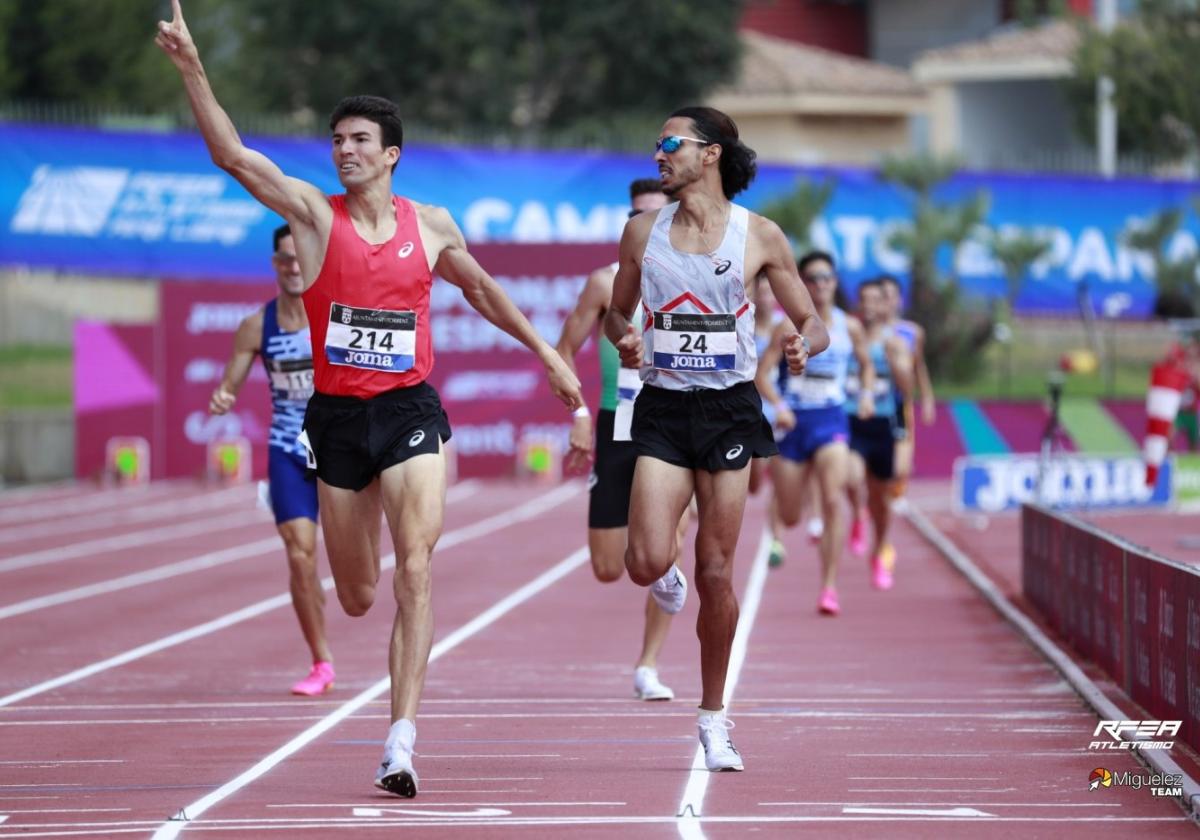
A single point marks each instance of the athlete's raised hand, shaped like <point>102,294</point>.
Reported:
<point>630,348</point>
<point>221,401</point>
<point>174,39</point>
<point>796,354</point>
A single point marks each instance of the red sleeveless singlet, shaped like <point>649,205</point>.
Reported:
<point>368,309</point>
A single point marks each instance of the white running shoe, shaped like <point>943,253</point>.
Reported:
<point>647,687</point>
<point>719,752</point>
<point>396,774</point>
<point>670,591</point>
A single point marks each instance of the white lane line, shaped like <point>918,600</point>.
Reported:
<point>11,811</point>
<point>952,804</point>
<point>54,762</point>
<point>463,490</point>
<point>132,514</point>
<point>97,499</point>
<point>691,806</point>
<point>456,493</point>
<point>514,599</point>
<point>131,539</point>
<point>182,567</point>
<point>919,812</point>
<point>489,804</point>
<point>528,510</point>
<point>296,824</point>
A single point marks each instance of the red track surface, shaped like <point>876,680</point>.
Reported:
<point>916,700</point>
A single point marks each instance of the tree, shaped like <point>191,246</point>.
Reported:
<point>1175,276</point>
<point>520,67</point>
<point>1016,250</point>
<point>955,333</point>
<point>796,211</point>
<point>84,52</point>
<point>1151,58</point>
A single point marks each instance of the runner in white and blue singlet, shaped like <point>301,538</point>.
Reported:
<point>698,421</point>
<point>809,410</point>
<point>278,333</point>
<point>873,440</point>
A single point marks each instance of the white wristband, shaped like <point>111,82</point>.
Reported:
<point>582,411</point>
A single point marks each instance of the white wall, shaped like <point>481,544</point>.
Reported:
<point>1012,119</point>
<point>900,29</point>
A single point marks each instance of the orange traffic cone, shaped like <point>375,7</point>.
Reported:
<point>1167,382</point>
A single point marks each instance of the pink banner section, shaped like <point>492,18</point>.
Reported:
<point>116,392</point>
<point>156,381</point>
<point>1133,613</point>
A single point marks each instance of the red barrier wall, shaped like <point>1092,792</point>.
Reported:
<point>1134,613</point>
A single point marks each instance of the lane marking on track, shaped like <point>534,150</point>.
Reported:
<point>691,806</point>
<point>132,539</point>
<point>182,567</point>
<point>527,510</point>
<point>485,619</point>
<point>298,824</point>
<point>163,509</point>
<point>54,762</point>
<point>951,804</point>
<point>565,701</point>
<point>456,493</point>
<point>97,499</point>
<point>341,805</point>
<point>1059,659</point>
<point>919,812</point>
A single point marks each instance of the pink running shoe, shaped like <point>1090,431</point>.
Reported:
<point>858,536</point>
<point>828,604</point>
<point>318,681</point>
<point>882,565</point>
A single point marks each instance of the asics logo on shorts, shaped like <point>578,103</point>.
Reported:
<point>405,250</point>
<point>417,438</point>
<point>593,480</point>
<point>733,453</point>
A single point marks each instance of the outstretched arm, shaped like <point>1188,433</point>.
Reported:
<point>246,344</point>
<point>486,297</point>
<point>924,382</point>
<point>866,368</point>
<point>593,300</point>
<point>297,201</point>
<point>627,291</point>
<point>780,268</point>
<point>768,371</point>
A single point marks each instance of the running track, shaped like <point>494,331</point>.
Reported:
<point>148,642</point>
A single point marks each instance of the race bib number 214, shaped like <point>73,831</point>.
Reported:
<point>375,339</point>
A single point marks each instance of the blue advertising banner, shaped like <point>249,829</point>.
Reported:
<point>154,205</point>
<point>990,484</point>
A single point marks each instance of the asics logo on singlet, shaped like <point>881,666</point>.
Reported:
<point>733,453</point>
<point>405,250</point>
<point>417,438</point>
<point>722,267</point>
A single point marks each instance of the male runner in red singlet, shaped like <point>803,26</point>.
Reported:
<point>375,428</point>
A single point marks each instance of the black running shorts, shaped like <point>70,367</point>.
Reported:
<point>355,440</point>
<point>611,481</point>
<point>875,440</point>
<point>708,429</point>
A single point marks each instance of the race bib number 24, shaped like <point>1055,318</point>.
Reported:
<point>695,342</point>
